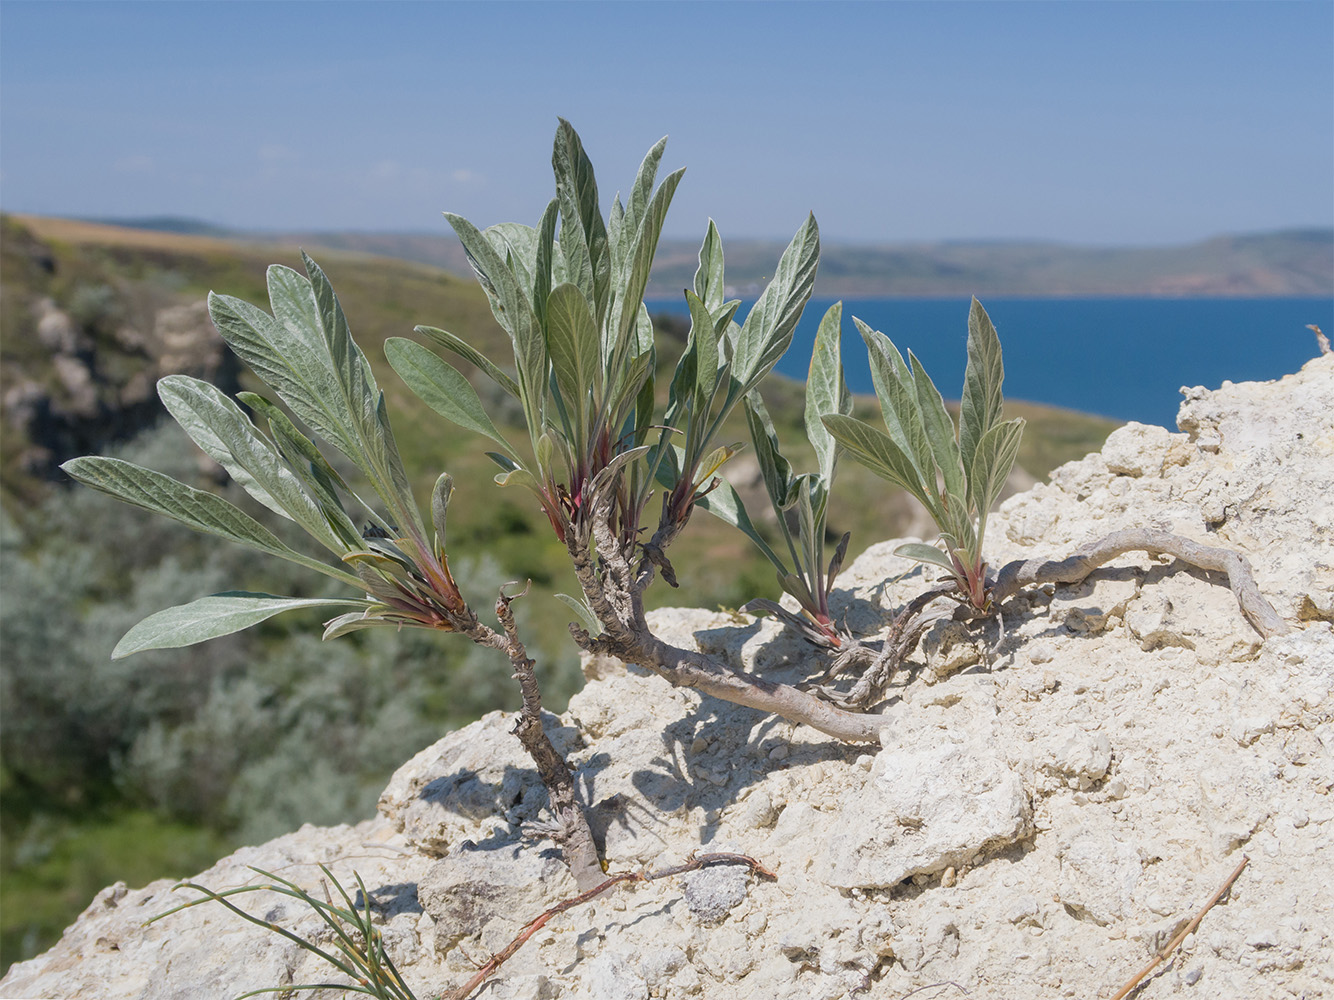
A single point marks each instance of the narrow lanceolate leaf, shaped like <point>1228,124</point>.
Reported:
<point>352,370</point>
<point>981,405</point>
<point>468,353</point>
<point>768,328</point>
<point>642,191</point>
<point>210,617</point>
<point>724,504</point>
<point>878,452</point>
<point>224,433</point>
<point>357,621</point>
<point>709,283</point>
<point>441,387</point>
<point>545,263</point>
<point>298,370</point>
<point>583,234</point>
<point>198,509</point>
<point>321,479</point>
<point>572,342</point>
<point>992,462</point>
<point>925,553</point>
<point>517,244</point>
<point>513,310</point>
<point>584,612</point>
<point>775,469</point>
<point>642,250</point>
<point>440,496</point>
<point>704,336</point>
<point>939,429</point>
<point>161,494</point>
<point>826,390</point>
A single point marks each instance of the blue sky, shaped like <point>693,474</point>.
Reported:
<point>1098,123</point>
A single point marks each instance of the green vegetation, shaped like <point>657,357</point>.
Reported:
<point>249,735</point>
<point>955,473</point>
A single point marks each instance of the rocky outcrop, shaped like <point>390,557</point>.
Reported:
<point>80,374</point>
<point>1049,804</point>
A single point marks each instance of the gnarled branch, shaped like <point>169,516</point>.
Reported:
<point>1014,576</point>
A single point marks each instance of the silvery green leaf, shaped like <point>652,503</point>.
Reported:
<point>583,234</point>
<point>297,369</point>
<point>321,479</point>
<point>826,390</point>
<point>939,429</point>
<point>519,477</point>
<point>474,357</point>
<point>897,396</point>
<point>356,621</point>
<point>224,433</point>
<point>572,343</point>
<point>925,553</point>
<point>210,617</point>
<point>704,337</point>
<point>642,191</point>
<point>198,509</point>
<point>646,402</point>
<point>775,469</point>
<point>981,405</point>
<point>992,462</point>
<point>352,370</point>
<point>642,250</point>
<point>626,390</point>
<point>546,451</point>
<point>769,325</point>
<point>441,387</point>
<point>306,353</point>
<point>616,238</point>
<point>517,244</point>
<point>878,452</point>
<point>709,283</point>
<point>514,312</point>
<point>544,267</point>
<point>584,612</point>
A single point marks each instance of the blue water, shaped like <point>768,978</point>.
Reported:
<point>1121,358</point>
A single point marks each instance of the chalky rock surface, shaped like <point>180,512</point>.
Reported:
<point>1037,822</point>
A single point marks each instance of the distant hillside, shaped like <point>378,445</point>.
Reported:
<point>1283,263</point>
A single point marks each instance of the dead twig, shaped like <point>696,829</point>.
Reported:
<point>488,967</point>
<point>1185,932</point>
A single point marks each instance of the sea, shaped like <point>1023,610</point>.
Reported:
<point>1123,358</point>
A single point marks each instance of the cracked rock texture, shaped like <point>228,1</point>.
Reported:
<point>1037,822</point>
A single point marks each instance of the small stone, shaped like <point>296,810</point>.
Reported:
<point>948,878</point>
<point>1192,976</point>
<point>699,745</point>
<point>1259,939</point>
<point>779,752</point>
<point>712,892</point>
<point>1300,818</point>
